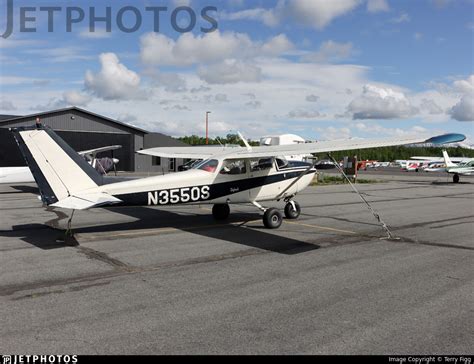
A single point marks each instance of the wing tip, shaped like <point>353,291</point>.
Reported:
<point>446,138</point>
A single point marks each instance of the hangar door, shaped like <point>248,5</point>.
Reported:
<point>10,155</point>
<point>84,141</point>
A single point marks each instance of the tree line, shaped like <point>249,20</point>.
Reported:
<point>228,139</point>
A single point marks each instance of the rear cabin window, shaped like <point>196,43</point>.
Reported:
<point>234,166</point>
<point>261,164</point>
<point>281,163</point>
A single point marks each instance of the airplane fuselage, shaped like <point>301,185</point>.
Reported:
<point>198,186</point>
<point>466,171</point>
<point>16,175</point>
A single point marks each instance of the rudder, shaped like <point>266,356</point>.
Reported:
<point>58,169</point>
<point>447,160</point>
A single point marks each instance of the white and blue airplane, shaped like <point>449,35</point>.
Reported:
<point>465,168</point>
<point>226,175</point>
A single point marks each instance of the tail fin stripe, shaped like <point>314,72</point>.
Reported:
<point>47,194</point>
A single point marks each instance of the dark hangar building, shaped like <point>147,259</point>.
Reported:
<point>84,130</point>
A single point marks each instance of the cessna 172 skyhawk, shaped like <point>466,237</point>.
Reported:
<point>227,175</point>
<point>465,168</point>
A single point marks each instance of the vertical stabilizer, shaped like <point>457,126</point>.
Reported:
<point>447,160</point>
<point>58,170</point>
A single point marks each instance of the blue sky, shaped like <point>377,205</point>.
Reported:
<point>321,69</point>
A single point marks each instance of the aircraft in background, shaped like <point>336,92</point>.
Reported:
<point>285,139</point>
<point>441,159</point>
<point>15,175</point>
<point>465,168</point>
<point>237,175</point>
<point>365,164</point>
<point>435,167</point>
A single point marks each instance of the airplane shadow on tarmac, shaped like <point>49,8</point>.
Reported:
<point>46,237</point>
<point>22,189</point>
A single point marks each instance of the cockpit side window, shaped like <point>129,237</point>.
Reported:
<point>281,163</point>
<point>209,165</point>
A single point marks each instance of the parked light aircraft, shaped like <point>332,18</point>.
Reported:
<point>285,139</point>
<point>435,167</point>
<point>238,175</point>
<point>465,168</point>
<point>15,175</point>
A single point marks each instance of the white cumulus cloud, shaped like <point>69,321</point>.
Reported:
<point>380,103</point>
<point>160,50</point>
<point>464,109</point>
<point>76,98</point>
<point>114,81</point>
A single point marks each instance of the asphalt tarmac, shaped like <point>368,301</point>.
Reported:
<point>173,281</point>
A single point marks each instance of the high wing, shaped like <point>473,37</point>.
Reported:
<point>189,152</point>
<point>293,149</point>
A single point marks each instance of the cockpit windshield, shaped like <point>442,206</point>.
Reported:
<point>209,165</point>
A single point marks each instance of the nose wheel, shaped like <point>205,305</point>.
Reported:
<point>292,210</point>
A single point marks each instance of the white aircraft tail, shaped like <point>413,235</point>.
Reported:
<point>60,172</point>
<point>447,160</point>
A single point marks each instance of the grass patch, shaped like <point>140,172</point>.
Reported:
<point>324,179</point>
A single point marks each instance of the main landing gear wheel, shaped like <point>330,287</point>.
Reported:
<point>220,211</point>
<point>272,218</point>
<point>292,210</point>
<point>456,178</point>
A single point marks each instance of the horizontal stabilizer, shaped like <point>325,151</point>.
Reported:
<point>86,201</point>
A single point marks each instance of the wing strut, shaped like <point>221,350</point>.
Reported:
<point>390,236</point>
<point>304,173</point>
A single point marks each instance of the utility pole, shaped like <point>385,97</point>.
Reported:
<point>207,127</point>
